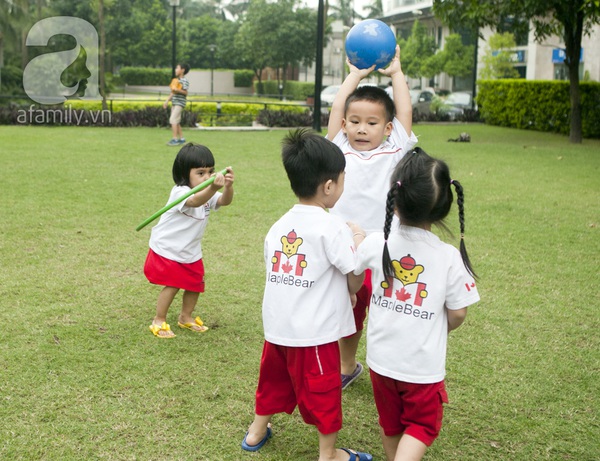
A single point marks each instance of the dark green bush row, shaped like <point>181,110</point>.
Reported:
<point>297,91</point>
<point>153,76</point>
<point>11,80</point>
<point>89,113</point>
<point>243,78</point>
<point>285,118</point>
<point>538,105</point>
<point>145,76</point>
<point>61,116</point>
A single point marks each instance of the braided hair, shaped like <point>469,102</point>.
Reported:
<point>420,193</point>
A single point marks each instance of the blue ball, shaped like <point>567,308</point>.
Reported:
<point>370,42</point>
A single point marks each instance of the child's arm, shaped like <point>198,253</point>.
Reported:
<point>168,99</point>
<point>227,197</point>
<point>456,318</point>
<point>402,101</point>
<point>355,281</point>
<point>179,91</point>
<point>337,108</point>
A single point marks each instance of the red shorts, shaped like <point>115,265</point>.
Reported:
<point>168,273</point>
<point>363,299</point>
<point>305,376</point>
<point>407,408</point>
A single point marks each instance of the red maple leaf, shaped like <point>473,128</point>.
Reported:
<point>402,295</point>
<point>287,267</point>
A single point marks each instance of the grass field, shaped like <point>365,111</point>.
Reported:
<point>82,377</point>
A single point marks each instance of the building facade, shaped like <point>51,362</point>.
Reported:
<point>533,61</point>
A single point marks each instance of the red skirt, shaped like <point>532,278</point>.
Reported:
<point>168,273</point>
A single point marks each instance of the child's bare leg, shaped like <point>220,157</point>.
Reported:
<point>390,444</point>
<point>190,299</point>
<point>174,130</point>
<point>348,349</point>
<point>327,450</point>
<point>179,134</point>
<point>258,429</point>
<point>410,449</point>
<point>165,298</point>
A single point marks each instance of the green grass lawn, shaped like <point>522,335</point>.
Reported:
<point>82,377</point>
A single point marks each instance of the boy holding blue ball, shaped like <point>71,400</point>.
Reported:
<point>374,132</point>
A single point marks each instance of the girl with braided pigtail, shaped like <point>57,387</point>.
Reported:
<point>422,287</point>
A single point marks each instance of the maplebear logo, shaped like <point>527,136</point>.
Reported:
<point>288,258</point>
<point>407,271</point>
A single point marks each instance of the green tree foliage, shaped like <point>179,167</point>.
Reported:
<point>276,35</point>
<point>344,11</point>
<point>155,47</point>
<point>458,57</point>
<point>569,20</point>
<point>455,59</point>
<point>198,33</point>
<point>418,50</point>
<point>374,9</point>
<point>497,61</point>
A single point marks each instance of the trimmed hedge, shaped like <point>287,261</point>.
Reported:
<point>150,113</point>
<point>11,80</point>
<point>243,78</point>
<point>145,76</point>
<point>538,105</point>
<point>297,91</point>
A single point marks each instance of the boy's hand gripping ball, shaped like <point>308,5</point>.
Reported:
<point>370,42</point>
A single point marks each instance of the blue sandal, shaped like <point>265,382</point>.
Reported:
<point>358,456</point>
<point>259,445</point>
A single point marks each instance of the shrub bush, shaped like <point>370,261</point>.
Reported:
<point>11,80</point>
<point>145,76</point>
<point>242,78</point>
<point>152,114</point>
<point>296,91</point>
<point>538,105</point>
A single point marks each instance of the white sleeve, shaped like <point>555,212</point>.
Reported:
<point>462,289</point>
<point>400,138</point>
<point>340,250</point>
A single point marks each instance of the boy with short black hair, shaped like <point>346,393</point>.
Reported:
<point>310,256</point>
<point>179,90</point>
<point>374,132</point>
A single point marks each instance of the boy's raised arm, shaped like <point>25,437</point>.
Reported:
<point>337,108</point>
<point>402,101</point>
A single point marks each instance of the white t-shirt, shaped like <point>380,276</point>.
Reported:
<point>368,175</point>
<point>408,324</point>
<point>178,234</point>
<point>308,253</point>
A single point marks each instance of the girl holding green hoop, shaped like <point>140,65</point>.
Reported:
<point>174,259</point>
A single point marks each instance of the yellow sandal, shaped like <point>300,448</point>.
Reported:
<point>156,329</point>
<point>197,325</point>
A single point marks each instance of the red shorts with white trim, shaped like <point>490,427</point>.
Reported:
<point>308,377</point>
<point>363,299</point>
<point>169,273</point>
<point>408,408</point>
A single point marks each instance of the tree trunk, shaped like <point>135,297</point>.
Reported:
<point>102,53</point>
<point>1,50</point>
<point>573,34</point>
